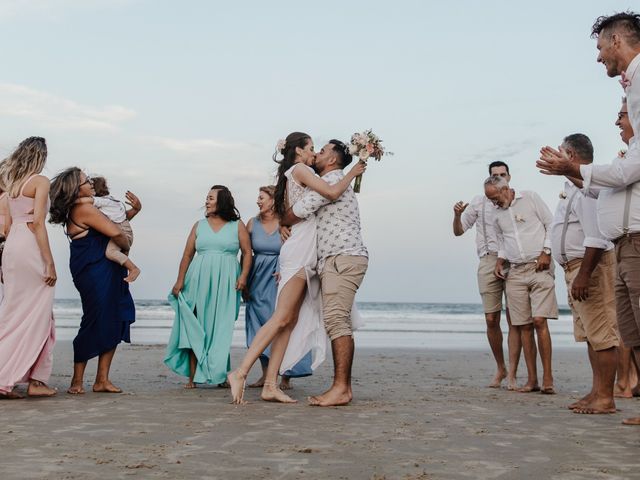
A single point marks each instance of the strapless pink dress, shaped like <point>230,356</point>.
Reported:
<point>27,329</point>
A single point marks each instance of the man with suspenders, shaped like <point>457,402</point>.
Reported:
<point>481,212</point>
<point>588,261</point>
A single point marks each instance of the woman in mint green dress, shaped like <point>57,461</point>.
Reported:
<point>206,296</point>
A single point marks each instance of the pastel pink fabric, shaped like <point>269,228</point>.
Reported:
<point>624,81</point>
<point>27,329</point>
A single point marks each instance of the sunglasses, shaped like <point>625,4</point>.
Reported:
<point>88,180</point>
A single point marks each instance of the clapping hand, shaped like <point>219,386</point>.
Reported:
<point>556,162</point>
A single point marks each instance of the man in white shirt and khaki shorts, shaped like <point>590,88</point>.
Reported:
<point>481,213</point>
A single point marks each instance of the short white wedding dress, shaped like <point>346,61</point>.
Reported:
<point>300,251</point>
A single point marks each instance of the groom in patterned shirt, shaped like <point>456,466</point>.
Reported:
<point>342,264</point>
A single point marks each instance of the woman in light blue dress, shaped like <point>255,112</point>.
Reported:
<point>206,295</point>
<point>262,286</point>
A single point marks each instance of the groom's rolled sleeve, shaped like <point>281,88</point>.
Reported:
<point>620,173</point>
<point>309,204</point>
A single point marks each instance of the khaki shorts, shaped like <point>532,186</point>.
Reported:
<point>491,287</point>
<point>594,319</point>
<point>628,290</point>
<point>340,278</point>
<point>530,293</point>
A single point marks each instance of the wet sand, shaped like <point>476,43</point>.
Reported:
<point>418,414</point>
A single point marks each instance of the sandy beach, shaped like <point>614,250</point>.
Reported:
<point>418,414</point>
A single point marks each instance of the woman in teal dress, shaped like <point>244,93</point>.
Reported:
<point>206,295</point>
<point>262,287</point>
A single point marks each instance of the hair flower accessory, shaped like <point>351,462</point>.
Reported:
<point>563,195</point>
<point>281,144</point>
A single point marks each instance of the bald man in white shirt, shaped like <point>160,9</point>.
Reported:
<point>481,212</point>
<point>522,223</point>
<point>588,261</point>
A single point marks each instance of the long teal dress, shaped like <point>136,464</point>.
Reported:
<point>207,307</point>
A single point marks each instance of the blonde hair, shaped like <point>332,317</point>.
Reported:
<point>26,160</point>
<point>269,190</point>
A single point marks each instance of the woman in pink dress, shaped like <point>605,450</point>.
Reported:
<point>27,331</point>
<point>5,221</point>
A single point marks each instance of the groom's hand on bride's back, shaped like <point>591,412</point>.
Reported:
<point>285,233</point>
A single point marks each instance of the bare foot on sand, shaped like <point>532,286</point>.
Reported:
<point>631,421</point>
<point>498,378</point>
<point>548,390</point>
<point>236,384</point>
<point>258,383</point>
<point>133,274</point>
<point>271,393</point>
<point>76,388</point>
<point>583,402</point>
<point>597,406</point>
<point>512,384</point>
<point>106,387</point>
<point>331,398</point>
<point>285,383</point>
<point>529,387</point>
<point>190,385</point>
<point>620,391</point>
<point>39,389</point>
<point>12,395</point>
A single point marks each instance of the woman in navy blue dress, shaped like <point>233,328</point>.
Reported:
<point>107,307</point>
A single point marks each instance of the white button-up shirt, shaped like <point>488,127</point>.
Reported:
<point>611,180</point>
<point>481,213</point>
<point>523,228</point>
<point>581,229</point>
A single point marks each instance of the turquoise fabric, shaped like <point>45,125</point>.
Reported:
<point>207,307</point>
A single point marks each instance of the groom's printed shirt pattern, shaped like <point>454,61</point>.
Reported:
<point>338,222</point>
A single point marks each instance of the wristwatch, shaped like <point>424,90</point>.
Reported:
<point>546,251</point>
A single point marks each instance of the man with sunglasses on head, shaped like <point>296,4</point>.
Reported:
<point>481,213</point>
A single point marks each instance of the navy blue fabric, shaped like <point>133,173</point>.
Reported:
<point>107,306</point>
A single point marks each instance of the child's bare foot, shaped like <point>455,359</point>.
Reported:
<point>133,274</point>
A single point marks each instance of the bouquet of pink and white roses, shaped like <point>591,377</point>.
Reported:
<point>365,145</point>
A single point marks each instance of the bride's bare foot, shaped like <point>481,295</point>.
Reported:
<point>498,378</point>
<point>189,385</point>
<point>106,387</point>
<point>39,389</point>
<point>334,397</point>
<point>76,388</point>
<point>271,393</point>
<point>133,274</point>
<point>236,383</point>
<point>285,383</point>
<point>12,395</point>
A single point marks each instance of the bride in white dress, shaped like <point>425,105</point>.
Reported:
<point>298,313</point>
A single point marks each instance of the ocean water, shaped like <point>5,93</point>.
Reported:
<point>394,325</point>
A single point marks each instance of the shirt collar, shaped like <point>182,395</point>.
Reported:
<point>633,67</point>
<point>516,196</point>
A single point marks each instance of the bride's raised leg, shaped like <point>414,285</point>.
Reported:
<point>286,313</point>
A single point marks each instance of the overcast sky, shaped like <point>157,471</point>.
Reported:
<point>167,98</point>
